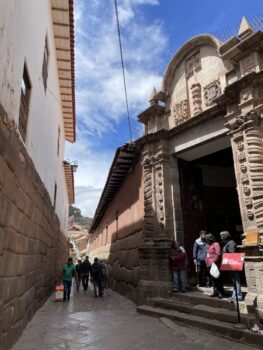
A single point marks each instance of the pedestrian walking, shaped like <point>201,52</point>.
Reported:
<point>230,246</point>
<point>69,271</point>
<point>97,278</point>
<point>199,255</point>
<point>177,262</point>
<point>213,259</point>
<point>85,273</point>
<point>78,271</point>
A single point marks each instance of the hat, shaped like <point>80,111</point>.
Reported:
<point>225,234</point>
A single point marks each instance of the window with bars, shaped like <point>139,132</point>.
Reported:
<point>45,65</point>
<point>24,103</point>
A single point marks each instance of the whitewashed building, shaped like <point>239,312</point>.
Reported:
<point>37,87</point>
<point>37,116</point>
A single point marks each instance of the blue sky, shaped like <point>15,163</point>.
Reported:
<point>152,31</point>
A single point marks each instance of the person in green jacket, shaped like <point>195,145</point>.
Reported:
<point>69,271</point>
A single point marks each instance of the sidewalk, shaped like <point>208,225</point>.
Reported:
<point>110,323</point>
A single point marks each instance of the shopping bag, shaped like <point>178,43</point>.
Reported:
<point>214,271</point>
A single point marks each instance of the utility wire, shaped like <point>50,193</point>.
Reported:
<point>123,71</point>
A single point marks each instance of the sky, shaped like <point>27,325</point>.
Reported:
<point>151,31</point>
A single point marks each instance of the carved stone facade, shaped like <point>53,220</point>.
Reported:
<point>204,111</point>
<point>212,91</point>
<point>196,98</point>
<point>193,64</point>
<point>181,112</point>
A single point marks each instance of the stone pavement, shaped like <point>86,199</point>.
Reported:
<point>110,323</point>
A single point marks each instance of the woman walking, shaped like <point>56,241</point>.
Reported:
<point>213,256</point>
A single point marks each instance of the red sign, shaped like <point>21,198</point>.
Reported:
<point>232,262</point>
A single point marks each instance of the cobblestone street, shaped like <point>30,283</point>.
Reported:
<point>110,323</point>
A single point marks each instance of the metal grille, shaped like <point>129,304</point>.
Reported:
<point>227,32</point>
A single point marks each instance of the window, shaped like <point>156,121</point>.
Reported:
<point>24,103</point>
<point>58,144</point>
<point>55,195</point>
<point>45,65</point>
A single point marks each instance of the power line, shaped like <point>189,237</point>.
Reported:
<point>123,71</point>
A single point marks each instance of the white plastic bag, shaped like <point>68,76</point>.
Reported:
<point>214,271</point>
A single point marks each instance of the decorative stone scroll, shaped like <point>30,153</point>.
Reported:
<point>193,64</point>
<point>196,98</point>
<point>159,192</point>
<point>181,112</point>
<point>212,91</point>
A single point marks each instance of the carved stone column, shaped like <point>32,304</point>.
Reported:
<point>158,232</point>
<point>246,134</point>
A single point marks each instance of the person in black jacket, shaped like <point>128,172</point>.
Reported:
<point>97,277</point>
<point>85,272</point>
<point>78,271</point>
<point>230,246</point>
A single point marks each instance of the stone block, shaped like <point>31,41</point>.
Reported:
<point>4,202</point>
<point>7,318</point>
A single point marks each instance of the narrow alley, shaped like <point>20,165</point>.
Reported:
<point>110,323</point>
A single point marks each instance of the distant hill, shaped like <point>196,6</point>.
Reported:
<point>79,218</point>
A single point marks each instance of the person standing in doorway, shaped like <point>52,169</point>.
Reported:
<point>68,272</point>
<point>177,262</point>
<point>78,271</point>
<point>214,256</point>
<point>85,273</point>
<point>97,277</point>
<point>230,246</point>
<point>199,255</point>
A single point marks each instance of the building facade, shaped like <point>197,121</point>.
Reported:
<point>37,116</point>
<point>202,162</point>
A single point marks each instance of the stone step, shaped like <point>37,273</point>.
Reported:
<point>216,327</point>
<point>198,298</point>
<point>205,311</point>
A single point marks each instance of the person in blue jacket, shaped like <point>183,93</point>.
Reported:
<point>199,255</point>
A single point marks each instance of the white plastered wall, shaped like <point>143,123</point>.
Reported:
<point>24,25</point>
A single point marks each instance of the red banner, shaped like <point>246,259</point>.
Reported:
<point>232,262</point>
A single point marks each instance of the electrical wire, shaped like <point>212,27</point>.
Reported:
<point>123,70</point>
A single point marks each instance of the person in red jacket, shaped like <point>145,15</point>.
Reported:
<point>214,256</point>
<point>177,262</point>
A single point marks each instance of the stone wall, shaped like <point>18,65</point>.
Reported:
<point>119,235</point>
<point>32,247</point>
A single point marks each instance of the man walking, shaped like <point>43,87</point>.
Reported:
<point>97,277</point>
<point>78,271</point>
<point>199,256</point>
<point>68,272</point>
<point>85,271</point>
<point>230,246</point>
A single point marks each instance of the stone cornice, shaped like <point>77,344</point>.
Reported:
<point>232,91</point>
<point>155,109</point>
<point>210,113</point>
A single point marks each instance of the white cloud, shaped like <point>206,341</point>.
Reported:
<point>99,85</point>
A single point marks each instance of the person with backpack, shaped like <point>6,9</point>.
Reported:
<point>177,262</point>
<point>97,278</point>
<point>85,273</point>
<point>230,246</point>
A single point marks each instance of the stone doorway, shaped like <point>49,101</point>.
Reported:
<point>209,198</point>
